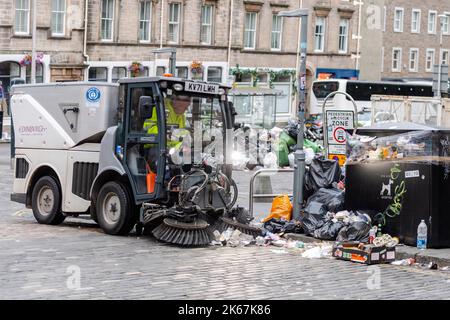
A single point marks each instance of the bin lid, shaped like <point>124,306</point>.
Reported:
<point>390,128</point>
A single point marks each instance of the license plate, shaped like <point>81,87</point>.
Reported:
<point>201,87</point>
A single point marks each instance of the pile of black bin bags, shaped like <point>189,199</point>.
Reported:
<point>324,200</point>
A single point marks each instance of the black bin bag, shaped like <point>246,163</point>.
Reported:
<point>321,174</point>
<point>334,199</point>
<point>329,230</point>
<point>357,231</point>
<point>314,217</point>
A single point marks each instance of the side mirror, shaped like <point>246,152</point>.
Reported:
<point>146,107</point>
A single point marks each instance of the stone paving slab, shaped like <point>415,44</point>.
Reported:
<point>76,260</point>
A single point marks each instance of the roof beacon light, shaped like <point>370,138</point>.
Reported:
<point>168,75</point>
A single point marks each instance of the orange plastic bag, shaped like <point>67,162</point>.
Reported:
<point>151,180</point>
<point>281,208</point>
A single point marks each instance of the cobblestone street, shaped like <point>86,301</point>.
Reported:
<point>39,262</point>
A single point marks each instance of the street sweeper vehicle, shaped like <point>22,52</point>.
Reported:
<point>146,152</point>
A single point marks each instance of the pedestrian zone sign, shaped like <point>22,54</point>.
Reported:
<point>338,122</point>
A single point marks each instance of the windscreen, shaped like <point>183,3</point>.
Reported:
<point>322,89</point>
<point>195,126</point>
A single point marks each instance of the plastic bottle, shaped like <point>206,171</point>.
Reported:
<point>422,234</point>
<point>379,231</point>
<point>372,234</point>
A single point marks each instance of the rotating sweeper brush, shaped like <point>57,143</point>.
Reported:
<point>183,227</point>
<point>237,219</point>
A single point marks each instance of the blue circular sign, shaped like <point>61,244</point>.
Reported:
<point>93,95</point>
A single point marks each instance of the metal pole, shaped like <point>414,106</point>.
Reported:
<point>33,50</point>
<point>358,42</point>
<point>173,62</point>
<point>440,62</point>
<point>299,155</point>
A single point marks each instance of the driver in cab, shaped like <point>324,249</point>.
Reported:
<point>176,107</point>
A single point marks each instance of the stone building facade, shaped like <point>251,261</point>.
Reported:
<point>243,38</point>
<point>411,38</point>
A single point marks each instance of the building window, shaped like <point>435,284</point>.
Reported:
<point>277,25</point>
<point>445,57</point>
<point>250,30</point>
<point>398,20</point>
<point>413,60</point>
<point>445,25</point>
<point>206,27</point>
<point>396,60</point>
<point>432,17</point>
<point>182,72</point>
<point>58,17</point>
<point>215,74</point>
<point>145,13</point>
<point>429,63</point>
<point>174,23</point>
<point>39,73</point>
<point>107,20</point>
<point>98,74</point>
<point>384,18</point>
<point>22,17</point>
<point>415,21</point>
<point>343,35</point>
<point>160,71</point>
<point>319,34</point>
<point>118,73</point>
<point>144,72</point>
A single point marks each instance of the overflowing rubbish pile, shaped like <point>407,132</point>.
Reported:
<point>263,148</point>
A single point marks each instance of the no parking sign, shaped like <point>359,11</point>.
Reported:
<point>338,122</point>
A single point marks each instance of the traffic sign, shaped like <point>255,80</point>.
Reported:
<point>338,122</point>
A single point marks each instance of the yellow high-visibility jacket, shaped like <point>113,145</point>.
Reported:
<point>173,119</point>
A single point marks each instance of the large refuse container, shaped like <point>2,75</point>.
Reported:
<point>404,176</point>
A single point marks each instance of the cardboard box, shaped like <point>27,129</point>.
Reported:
<point>363,253</point>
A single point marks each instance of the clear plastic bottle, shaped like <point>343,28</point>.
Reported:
<point>422,235</point>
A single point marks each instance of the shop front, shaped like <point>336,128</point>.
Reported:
<point>330,73</point>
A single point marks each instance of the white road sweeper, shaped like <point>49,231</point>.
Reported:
<point>150,152</point>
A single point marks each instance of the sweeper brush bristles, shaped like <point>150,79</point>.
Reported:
<point>186,234</point>
<point>226,223</point>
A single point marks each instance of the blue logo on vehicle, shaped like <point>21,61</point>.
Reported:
<point>93,95</point>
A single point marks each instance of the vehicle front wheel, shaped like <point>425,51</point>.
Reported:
<point>115,212</point>
<point>46,201</point>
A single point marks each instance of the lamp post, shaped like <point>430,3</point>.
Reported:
<point>299,155</point>
<point>33,49</point>
<point>442,18</point>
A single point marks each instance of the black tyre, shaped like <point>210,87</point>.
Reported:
<point>115,211</point>
<point>46,201</point>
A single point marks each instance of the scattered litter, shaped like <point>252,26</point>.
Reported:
<point>317,252</point>
<point>404,262</point>
<point>385,240</point>
<point>279,243</point>
<point>216,235</point>
<point>260,241</point>
<point>447,268</point>
<point>295,244</point>
<point>278,251</point>
<point>432,266</point>
<point>226,235</point>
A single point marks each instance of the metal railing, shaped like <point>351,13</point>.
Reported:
<point>252,196</point>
